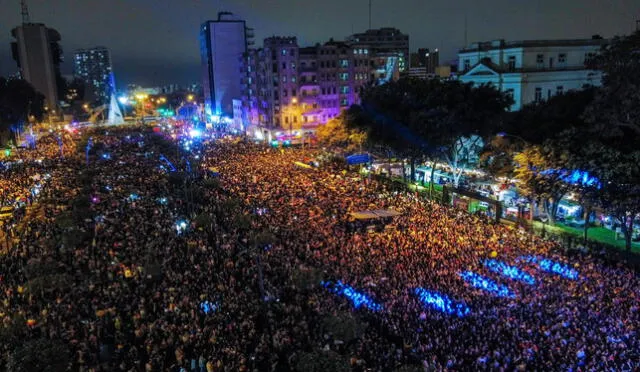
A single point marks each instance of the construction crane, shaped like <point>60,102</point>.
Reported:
<point>24,12</point>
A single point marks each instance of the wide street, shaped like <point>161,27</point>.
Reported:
<point>131,265</point>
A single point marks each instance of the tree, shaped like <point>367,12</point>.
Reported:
<point>541,179</point>
<point>428,118</point>
<point>497,157</point>
<point>336,134</point>
<point>464,153</point>
<point>18,101</point>
<point>614,113</point>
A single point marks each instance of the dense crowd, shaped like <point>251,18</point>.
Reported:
<point>156,272</point>
<point>584,324</point>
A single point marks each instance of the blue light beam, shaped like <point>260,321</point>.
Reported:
<point>441,302</point>
<point>553,267</point>
<point>354,296</point>
<point>509,271</point>
<point>486,284</point>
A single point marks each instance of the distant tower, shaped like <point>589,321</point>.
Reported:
<point>38,54</point>
<point>223,42</point>
<point>93,66</point>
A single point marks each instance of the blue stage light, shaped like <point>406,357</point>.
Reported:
<point>511,272</point>
<point>553,267</point>
<point>349,292</point>
<point>441,302</point>
<point>486,284</point>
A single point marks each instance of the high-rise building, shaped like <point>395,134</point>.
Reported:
<point>387,40</point>
<point>38,54</point>
<point>93,66</point>
<point>531,70</point>
<point>223,42</point>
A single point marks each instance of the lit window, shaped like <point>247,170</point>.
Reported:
<point>284,52</point>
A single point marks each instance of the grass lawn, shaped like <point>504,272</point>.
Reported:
<point>598,234</point>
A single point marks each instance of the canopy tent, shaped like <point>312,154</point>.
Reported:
<point>372,214</point>
<point>358,159</point>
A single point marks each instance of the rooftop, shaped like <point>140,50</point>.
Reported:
<point>502,44</point>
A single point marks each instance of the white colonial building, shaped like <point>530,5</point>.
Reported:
<point>531,70</point>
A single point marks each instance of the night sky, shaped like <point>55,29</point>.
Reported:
<point>156,41</point>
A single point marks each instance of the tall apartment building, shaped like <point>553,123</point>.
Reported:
<point>37,51</point>
<point>223,42</point>
<point>270,83</point>
<point>93,66</point>
<point>291,87</point>
<point>387,40</point>
<point>531,70</point>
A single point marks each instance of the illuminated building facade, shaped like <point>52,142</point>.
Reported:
<point>532,70</point>
<point>286,86</point>
<point>223,42</point>
<point>387,40</point>
<point>93,66</point>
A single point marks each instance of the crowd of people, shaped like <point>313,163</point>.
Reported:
<point>158,271</point>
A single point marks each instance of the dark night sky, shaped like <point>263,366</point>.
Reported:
<point>156,41</point>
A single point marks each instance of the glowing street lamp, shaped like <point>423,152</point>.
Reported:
<point>190,97</point>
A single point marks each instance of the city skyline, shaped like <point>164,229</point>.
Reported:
<point>129,30</point>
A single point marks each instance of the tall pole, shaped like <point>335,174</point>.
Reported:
<point>370,14</point>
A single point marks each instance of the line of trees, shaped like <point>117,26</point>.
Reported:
<point>585,142</point>
<point>18,101</point>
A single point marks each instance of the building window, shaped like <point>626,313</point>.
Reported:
<point>293,52</point>
<point>538,97</point>
<point>344,76</point>
<point>562,58</point>
<point>559,89</point>
<point>540,60</point>
<point>588,57</point>
<point>467,64</point>
<point>344,102</point>
<point>283,52</point>
<point>344,63</point>
<point>512,63</point>
<point>293,65</point>
<point>293,79</point>
<point>344,89</point>
<point>284,79</point>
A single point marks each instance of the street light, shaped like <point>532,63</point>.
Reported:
<point>294,101</point>
<point>140,98</point>
<point>190,97</point>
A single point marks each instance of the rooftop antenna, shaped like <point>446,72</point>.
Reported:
<point>369,14</point>
<point>25,12</point>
